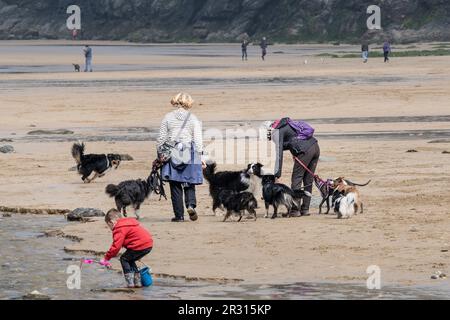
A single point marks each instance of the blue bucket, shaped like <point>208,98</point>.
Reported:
<point>146,277</point>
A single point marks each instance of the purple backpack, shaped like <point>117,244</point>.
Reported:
<point>303,129</point>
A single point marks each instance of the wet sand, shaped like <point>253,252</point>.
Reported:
<point>366,116</point>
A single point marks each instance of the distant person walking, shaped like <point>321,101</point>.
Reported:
<point>88,56</point>
<point>244,49</point>
<point>365,52</point>
<point>386,51</point>
<point>263,46</point>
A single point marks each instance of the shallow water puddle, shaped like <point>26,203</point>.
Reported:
<point>30,261</point>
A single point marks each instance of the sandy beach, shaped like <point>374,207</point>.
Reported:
<point>366,118</point>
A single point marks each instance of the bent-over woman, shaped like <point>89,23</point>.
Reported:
<point>297,137</point>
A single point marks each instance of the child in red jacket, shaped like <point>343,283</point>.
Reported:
<point>129,234</point>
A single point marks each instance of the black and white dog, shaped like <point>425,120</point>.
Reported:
<point>97,163</point>
<point>76,67</point>
<point>130,193</point>
<point>278,194</point>
<point>247,180</point>
<point>237,203</point>
<point>345,206</point>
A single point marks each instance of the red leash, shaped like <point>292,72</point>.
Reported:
<point>309,171</point>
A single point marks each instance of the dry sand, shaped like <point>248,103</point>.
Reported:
<point>404,229</point>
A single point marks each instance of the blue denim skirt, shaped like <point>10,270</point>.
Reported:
<point>190,173</point>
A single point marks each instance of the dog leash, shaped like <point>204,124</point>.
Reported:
<point>308,170</point>
<point>156,181</point>
<point>320,183</point>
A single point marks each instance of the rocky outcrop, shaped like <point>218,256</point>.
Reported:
<point>6,149</point>
<point>227,20</point>
<point>81,214</point>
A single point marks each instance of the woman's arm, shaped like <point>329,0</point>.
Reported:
<point>277,138</point>
<point>163,133</point>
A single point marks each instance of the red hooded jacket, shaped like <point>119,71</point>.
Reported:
<point>129,234</point>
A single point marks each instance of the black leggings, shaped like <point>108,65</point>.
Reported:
<point>129,258</point>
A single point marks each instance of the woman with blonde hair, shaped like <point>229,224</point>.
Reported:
<point>181,134</point>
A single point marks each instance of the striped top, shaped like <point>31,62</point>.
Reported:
<point>171,125</point>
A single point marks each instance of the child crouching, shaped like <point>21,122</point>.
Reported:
<point>129,234</point>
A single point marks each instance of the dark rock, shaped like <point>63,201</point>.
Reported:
<point>412,151</point>
<point>80,214</point>
<point>6,140</point>
<point>445,152</point>
<point>58,131</point>
<point>227,20</point>
<point>6,215</point>
<point>7,149</point>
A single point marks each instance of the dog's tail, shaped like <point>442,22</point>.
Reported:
<point>357,184</point>
<point>78,151</point>
<point>210,170</point>
<point>112,190</point>
<point>300,193</point>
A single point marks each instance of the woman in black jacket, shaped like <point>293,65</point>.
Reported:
<point>305,148</point>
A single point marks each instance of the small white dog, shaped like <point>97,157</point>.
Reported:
<point>344,206</point>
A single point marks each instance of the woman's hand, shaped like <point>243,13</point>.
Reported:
<point>203,164</point>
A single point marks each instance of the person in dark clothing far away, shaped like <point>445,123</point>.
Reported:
<point>88,55</point>
<point>386,50</point>
<point>244,49</point>
<point>297,137</point>
<point>365,51</point>
<point>263,46</point>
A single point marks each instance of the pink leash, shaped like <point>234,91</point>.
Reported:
<point>318,181</point>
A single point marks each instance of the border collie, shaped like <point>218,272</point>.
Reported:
<point>237,203</point>
<point>76,67</point>
<point>247,180</point>
<point>130,192</point>
<point>97,163</point>
<point>278,194</point>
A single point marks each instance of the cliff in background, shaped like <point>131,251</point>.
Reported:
<point>227,20</point>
